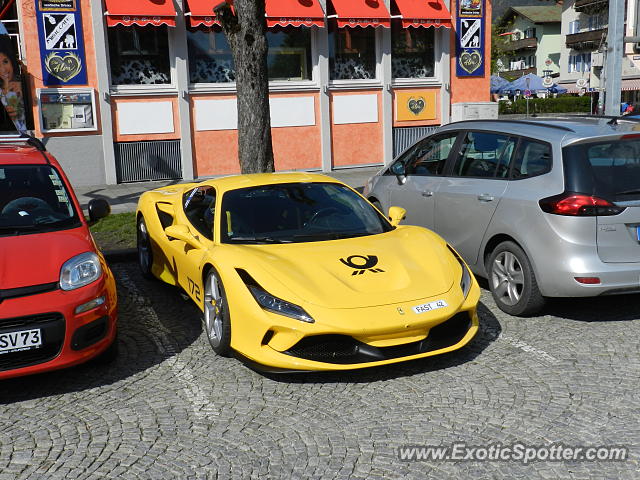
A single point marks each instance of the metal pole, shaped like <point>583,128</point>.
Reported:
<point>615,51</point>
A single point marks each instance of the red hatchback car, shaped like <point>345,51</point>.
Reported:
<point>57,294</point>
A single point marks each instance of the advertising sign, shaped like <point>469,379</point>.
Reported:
<point>67,109</point>
<point>61,42</point>
<point>11,93</point>
<point>415,105</point>
<point>470,34</point>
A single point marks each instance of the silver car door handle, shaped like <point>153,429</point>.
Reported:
<point>485,197</point>
<point>427,193</point>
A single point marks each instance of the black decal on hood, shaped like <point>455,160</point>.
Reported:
<point>361,264</point>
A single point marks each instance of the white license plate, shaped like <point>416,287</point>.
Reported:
<point>427,307</point>
<point>21,340</point>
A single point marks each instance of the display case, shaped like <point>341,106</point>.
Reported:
<point>67,110</point>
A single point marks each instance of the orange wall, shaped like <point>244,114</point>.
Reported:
<point>117,137</point>
<point>357,143</point>
<point>215,152</point>
<point>471,89</point>
<point>34,66</point>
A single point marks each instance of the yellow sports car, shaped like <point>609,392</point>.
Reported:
<point>297,271</point>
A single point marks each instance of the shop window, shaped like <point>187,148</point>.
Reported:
<point>288,58</point>
<point>412,51</point>
<point>352,53</point>
<point>139,55</point>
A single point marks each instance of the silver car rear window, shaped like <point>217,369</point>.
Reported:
<point>609,169</point>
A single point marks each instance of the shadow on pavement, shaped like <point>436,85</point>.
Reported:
<point>155,324</point>
<point>614,308</point>
<point>489,331</point>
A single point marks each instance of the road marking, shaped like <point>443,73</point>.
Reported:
<point>525,347</point>
<point>161,335</point>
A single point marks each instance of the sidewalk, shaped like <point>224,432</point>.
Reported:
<point>124,197</point>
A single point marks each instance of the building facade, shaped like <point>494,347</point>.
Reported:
<point>582,57</point>
<point>141,90</point>
<point>534,41</point>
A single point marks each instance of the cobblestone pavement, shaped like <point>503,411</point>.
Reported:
<point>169,408</point>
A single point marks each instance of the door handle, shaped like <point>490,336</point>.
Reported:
<point>485,197</point>
<point>427,193</point>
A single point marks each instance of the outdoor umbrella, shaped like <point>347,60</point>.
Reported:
<point>533,83</point>
<point>498,83</point>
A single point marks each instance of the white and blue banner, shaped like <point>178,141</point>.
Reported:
<point>61,42</point>
<point>470,32</point>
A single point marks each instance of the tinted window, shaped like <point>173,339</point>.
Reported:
<point>297,212</point>
<point>532,158</point>
<point>608,169</point>
<point>199,206</point>
<point>34,199</point>
<point>429,155</point>
<point>484,155</point>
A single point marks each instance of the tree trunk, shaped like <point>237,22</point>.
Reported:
<point>246,33</point>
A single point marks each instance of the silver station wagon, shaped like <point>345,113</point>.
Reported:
<point>541,208</point>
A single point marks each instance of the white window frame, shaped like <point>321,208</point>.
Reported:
<point>436,80</point>
<point>274,85</point>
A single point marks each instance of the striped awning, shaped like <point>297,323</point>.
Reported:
<point>631,84</point>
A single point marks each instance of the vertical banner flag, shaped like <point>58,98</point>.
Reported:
<point>470,33</point>
<point>11,81</point>
<point>61,42</point>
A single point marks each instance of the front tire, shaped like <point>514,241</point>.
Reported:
<point>145,253</point>
<point>512,281</point>
<point>217,321</point>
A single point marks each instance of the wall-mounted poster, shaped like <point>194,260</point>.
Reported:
<point>470,53</point>
<point>67,110</point>
<point>11,93</point>
<point>415,105</point>
<point>61,42</point>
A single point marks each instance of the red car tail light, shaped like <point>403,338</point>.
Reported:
<point>588,280</point>
<point>579,205</point>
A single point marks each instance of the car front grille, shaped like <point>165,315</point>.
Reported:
<point>52,327</point>
<point>27,291</point>
<point>343,349</point>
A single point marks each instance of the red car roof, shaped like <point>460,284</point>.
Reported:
<point>11,154</point>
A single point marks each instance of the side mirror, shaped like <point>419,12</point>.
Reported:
<point>399,170</point>
<point>181,232</point>
<point>396,215</point>
<point>98,208</point>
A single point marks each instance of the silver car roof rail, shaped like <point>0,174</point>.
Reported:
<point>23,138</point>
<point>519,122</point>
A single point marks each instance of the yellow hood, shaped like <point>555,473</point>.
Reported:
<point>406,264</point>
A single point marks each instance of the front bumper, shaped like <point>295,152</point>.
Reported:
<point>68,338</point>
<point>356,338</point>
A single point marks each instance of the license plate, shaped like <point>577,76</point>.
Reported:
<point>21,340</point>
<point>427,307</point>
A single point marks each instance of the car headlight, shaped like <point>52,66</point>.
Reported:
<point>79,271</point>
<point>279,306</point>
<point>465,281</point>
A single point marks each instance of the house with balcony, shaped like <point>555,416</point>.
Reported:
<point>585,29</point>
<point>533,41</point>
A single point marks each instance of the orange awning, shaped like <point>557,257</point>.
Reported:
<point>423,13</point>
<point>140,12</point>
<point>361,13</point>
<point>297,13</point>
<point>201,13</point>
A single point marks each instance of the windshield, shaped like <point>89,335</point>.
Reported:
<point>297,212</point>
<point>608,169</point>
<point>34,199</point>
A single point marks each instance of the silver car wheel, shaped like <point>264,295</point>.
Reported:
<point>214,305</point>
<point>507,278</point>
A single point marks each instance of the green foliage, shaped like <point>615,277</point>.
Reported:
<point>115,231</point>
<point>564,104</point>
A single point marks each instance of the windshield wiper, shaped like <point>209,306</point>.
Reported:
<point>629,192</point>
<point>330,235</point>
<point>259,240</point>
